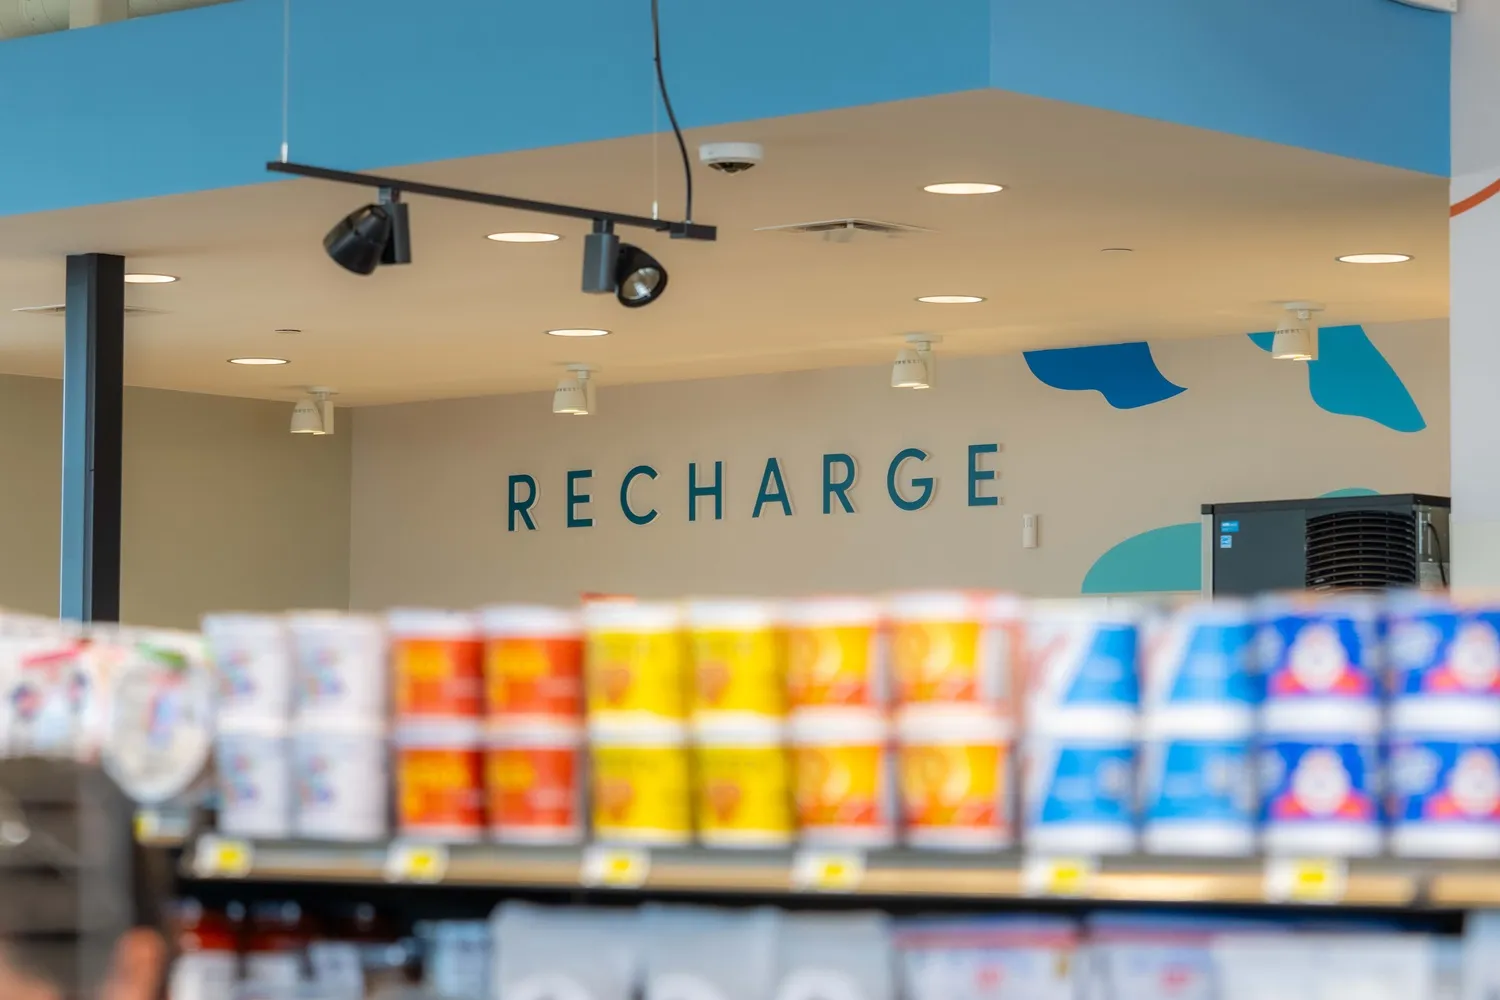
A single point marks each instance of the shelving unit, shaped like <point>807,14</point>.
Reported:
<point>1384,884</point>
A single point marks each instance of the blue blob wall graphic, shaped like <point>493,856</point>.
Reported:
<point>1124,374</point>
<point>1353,378</point>
<point>1169,558</point>
<point>1351,491</point>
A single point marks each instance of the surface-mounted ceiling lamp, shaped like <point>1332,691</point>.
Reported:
<point>1296,337</point>
<point>313,413</point>
<point>634,276</point>
<point>371,236</point>
<point>915,366</point>
<point>575,392</point>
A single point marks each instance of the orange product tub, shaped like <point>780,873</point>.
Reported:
<point>835,654</point>
<point>956,779</point>
<point>440,782</point>
<point>842,778</point>
<point>534,782</point>
<point>533,662</point>
<point>953,648</point>
<point>437,659</point>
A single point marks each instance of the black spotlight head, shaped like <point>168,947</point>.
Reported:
<point>359,240</point>
<point>639,277</point>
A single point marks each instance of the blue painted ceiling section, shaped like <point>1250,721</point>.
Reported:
<point>191,101</point>
<point>1367,79</point>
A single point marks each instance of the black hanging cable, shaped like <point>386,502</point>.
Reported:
<point>666,100</point>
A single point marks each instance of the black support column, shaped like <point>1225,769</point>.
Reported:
<point>93,398</point>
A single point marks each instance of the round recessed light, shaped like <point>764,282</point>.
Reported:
<point>149,279</point>
<point>1117,250</point>
<point>950,300</point>
<point>524,237</point>
<point>257,361</point>
<point>963,187</point>
<point>1375,258</point>
<point>579,332</point>
<point>287,329</point>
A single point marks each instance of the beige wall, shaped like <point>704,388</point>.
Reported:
<point>222,507</point>
<point>430,479</point>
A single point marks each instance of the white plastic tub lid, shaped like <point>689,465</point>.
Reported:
<point>237,623</point>
<point>731,613</point>
<point>432,623</point>
<point>530,621</point>
<point>439,734</point>
<point>836,726</point>
<point>534,732</point>
<point>952,725</point>
<point>638,733</point>
<point>334,620</point>
<point>831,610</point>
<point>632,616</point>
<point>739,732</point>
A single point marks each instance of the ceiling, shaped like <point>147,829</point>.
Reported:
<point>1222,227</point>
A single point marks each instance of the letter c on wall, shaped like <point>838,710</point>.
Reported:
<point>925,483</point>
<point>631,515</point>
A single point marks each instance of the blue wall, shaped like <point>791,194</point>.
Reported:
<point>191,101</point>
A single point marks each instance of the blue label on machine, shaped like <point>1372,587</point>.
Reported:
<point>1196,780</point>
<point>1078,782</point>
<point>1229,526</point>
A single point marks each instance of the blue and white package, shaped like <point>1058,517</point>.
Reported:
<point>1084,678</point>
<point>1198,671</point>
<point>1445,797</point>
<point>1198,796</point>
<point>1445,666</point>
<point>1322,665</point>
<point>988,958</point>
<point>1320,795</point>
<point>1078,796</point>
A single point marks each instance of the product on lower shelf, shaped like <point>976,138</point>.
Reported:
<point>642,791</point>
<point>341,776</point>
<point>341,671</point>
<point>440,781</point>
<point>743,785</point>
<point>635,662</point>
<point>843,955</point>
<point>533,663</point>
<point>256,797</point>
<point>955,772</point>
<point>953,648</point>
<point>565,953</point>
<point>979,958</point>
<point>738,663</point>
<point>708,953</point>
<point>534,781</point>
<point>844,778</point>
<point>437,665</point>
<point>835,657</point>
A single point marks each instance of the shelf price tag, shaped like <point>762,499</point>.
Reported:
<point>828,871</point>
<point>147,825</point>
<point>422,863</point>
<point>1045,875</point>
<point>222,857</point>
<point>614,867</point>
<point>1306,880</point>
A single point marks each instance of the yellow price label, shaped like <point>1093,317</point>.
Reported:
<point>1049,876</point>
<point>828,871</point>
<point>416,863</point>
<point>1306,880</point>
<point>615,867</point>
<point>221,857</point>
<point>147,824</point>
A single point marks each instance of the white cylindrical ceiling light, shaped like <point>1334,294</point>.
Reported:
<point>915,367</point>
<point>1296,337</point>
<point>575,392</point>
<point>313,413</point>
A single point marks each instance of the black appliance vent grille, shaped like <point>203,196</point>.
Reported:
<point>1361,550</point>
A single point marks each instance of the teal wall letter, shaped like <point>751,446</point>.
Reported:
<point>574,499</point>
<point>519,506</point>
<point>778,495</point>
<point>840,487</point>
<point>924,483</point>
<point>630,515</point>
<point>716,491</point>
<point>978,475</point>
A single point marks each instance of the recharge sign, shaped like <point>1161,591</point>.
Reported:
<point>910,484</point>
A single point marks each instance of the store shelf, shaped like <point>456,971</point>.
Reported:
<point>1379,884</point>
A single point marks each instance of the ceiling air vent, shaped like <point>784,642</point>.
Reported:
<point>844,230</point>
<point>1361,550</point>
<point>61,310</point>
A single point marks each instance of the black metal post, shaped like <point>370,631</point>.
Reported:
<point>93,399</point>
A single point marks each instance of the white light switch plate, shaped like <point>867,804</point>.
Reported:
<point>1029,530</point>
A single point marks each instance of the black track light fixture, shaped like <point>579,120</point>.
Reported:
<point>372,235</point>
<point>639,277</point>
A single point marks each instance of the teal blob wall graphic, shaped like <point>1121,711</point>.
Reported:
<point>1124,374</point>
<point>1351,377</point>
<point>1169,558</point>
<point>1351,491</point>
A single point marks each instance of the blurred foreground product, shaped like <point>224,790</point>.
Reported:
<point>743,785</point>
<point>708,953</point>
<point>533,664</point>
<point>844,955</point>
<point>844,776</point>
<point>1444,661</point>
<point>1315,966</point>
<point>979,958</point>
<point>738,664</point>
<point>954,649</point>
<point>1198,721</point>
<point>955,770</point>
<point>835,657</point>
<point>565,953</point>
<point>642,785</point>
<point>636,664</point>
<point>1078,790</point>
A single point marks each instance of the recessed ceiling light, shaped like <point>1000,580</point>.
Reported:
<point>1375,258</point>
<point>578,333</point>
<point>257,361</point>
<point>150,279</point>
<point>950,300</point>
<point>524,237</point>
<point>286,329</point>
<point>963,187</point>
<point>1117,250</point>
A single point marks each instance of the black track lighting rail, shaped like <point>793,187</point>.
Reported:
<point>678,230</point>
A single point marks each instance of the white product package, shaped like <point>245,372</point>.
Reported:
<point>565,953</point>
<point>458,959</point>
<point>159,728</point>
<point>51,691</point>
<point>1382,966</point>
<point>835,956</point>
<point>1148,956</point>
<point>704,953</point>
<point>988,958</point>
<point>1481,955</point>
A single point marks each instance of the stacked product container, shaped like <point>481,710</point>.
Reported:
<point>840,735</point>
<point>1198,715</point>
<point>951,665</point>
<point>1321,724</point>
<point>437,664</point>
<point>340,764</point>
<point>534,773</point>
<point>742,791</point>
<point>1444,727</point>
<point>253,672</point>
<point>636,676</point>
<point>1080,752</point>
